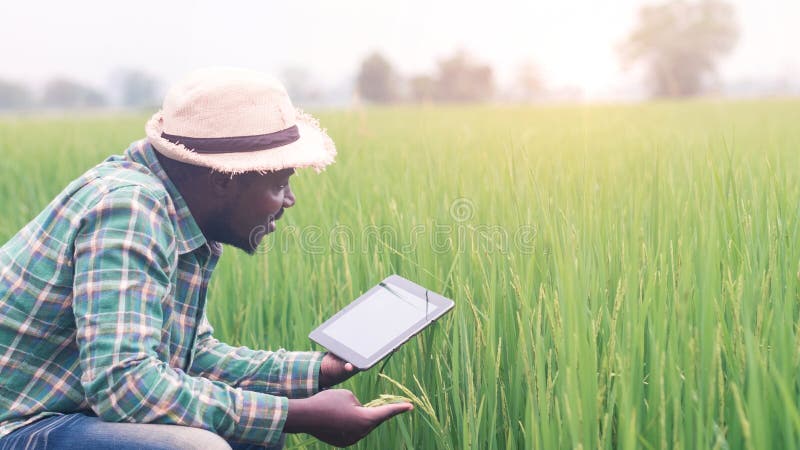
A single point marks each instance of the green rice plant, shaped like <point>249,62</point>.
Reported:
<point>387,399</point>
<point>625,276</point>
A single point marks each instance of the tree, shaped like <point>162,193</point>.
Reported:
<point>138,89</point>
<point>14,96</point>
<point>65,93</point>
<point>377,81</point>
<point>461,79</point>
<point>680,44</point>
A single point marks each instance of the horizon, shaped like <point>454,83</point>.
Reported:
<point>572,51</point>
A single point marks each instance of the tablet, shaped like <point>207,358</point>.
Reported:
<point>380,321</point>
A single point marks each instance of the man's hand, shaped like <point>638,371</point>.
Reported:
<point>334,370</point>
<point>336,417</point>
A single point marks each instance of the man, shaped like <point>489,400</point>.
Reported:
<point>104,340</point>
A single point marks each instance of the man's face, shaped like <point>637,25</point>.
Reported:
<point>258,200</point>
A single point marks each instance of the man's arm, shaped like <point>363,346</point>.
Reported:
<point>123,256</point>
<point>290,374</point>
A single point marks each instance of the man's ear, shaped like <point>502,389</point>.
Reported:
<point>223,184</point>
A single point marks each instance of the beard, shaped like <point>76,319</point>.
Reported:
<point>221,230</point>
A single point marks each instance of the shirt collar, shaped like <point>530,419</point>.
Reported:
<point>188,235</point>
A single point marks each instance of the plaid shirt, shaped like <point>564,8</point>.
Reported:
<point>102,307</point>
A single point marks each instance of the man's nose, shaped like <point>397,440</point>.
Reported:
<point>288,198</point>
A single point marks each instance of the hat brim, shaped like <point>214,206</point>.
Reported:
<point>314,149</point>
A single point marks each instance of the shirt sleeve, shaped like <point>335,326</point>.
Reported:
<point>124,254</point>
<point>290,374</point>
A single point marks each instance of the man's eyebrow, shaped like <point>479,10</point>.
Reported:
<point>285,177</point>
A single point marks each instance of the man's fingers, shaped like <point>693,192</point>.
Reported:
<point>348,367</point>
<point>385,412</point>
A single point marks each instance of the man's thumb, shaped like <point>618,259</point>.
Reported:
<point>385,412</point>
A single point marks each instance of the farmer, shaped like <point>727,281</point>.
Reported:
<point>104,338</point>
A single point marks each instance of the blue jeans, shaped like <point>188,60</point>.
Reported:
<point>84,430</point>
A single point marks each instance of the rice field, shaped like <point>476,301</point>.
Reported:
<point>624,276</point>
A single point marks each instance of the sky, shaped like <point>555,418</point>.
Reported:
<point>573,42</point>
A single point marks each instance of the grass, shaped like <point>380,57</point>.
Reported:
<point>624,276</point>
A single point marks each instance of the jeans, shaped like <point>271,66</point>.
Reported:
<point>84,430</point>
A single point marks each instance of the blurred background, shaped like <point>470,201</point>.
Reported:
<point>654,303</point>
<point>91,54</point>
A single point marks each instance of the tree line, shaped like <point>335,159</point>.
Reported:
<point>131,89</point>
<point>676,45</point>
<point>459,78</point>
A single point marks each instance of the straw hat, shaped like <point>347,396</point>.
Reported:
<point>234,121</point>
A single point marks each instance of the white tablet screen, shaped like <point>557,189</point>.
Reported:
<point>376,321</point>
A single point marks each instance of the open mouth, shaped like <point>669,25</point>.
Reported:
<point>272,219</point>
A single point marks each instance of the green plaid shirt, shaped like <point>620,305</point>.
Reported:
<point>102,307</point>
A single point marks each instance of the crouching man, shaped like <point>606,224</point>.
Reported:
<point>104,339</point>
